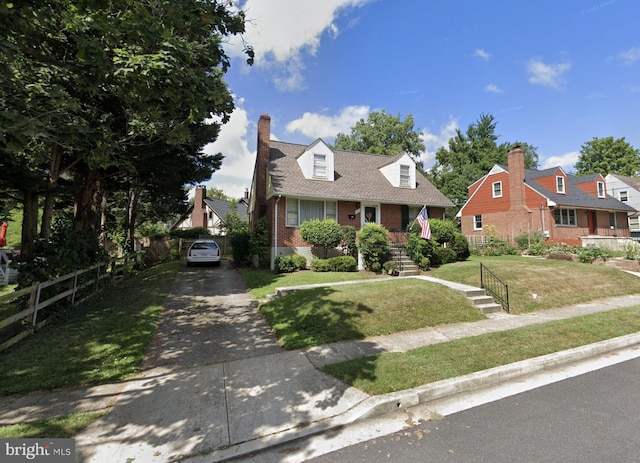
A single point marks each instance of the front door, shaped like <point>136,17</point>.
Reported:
<point>370,214</point>
<point>593,225</point>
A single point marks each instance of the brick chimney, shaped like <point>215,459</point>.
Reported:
<point>262,164</point>
<point>519,216</point>
<point>199,214</point>
<point>516,178</point>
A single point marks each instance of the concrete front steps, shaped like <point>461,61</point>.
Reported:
<point>484,303</point>
<point>406,266</point>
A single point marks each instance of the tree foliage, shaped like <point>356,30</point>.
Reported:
<point>470,155</point>
<point>103,105</point>
<point>382,133</point>
<point>608,155</point>
<point>325,234</point>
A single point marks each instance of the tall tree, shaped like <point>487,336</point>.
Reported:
<point>104,80</point>
<point>382,133</point>
<point>470,155</point>
<point>608,155</point>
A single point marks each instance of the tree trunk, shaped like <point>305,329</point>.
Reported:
<point>132,215</point>
<point>88,201</point>
<point>29,225</point>
<point>49,200</point>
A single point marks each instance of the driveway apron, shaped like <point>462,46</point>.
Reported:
<point>178,404</point>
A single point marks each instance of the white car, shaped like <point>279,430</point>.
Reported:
<point>203,252</point>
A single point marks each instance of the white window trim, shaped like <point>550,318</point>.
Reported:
<point>493,190</point>
<point>560,186</point>
<point>407,176</point>
<point>475,222</point>
<point>601,190</point>
<point>319,164</point>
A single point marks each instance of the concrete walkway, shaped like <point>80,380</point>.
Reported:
<point>216,385</point>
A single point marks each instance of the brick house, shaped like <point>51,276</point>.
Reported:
<point>565,208</point>
<point>627,190</point>
<point>210,213</point>
<point>294,182</point>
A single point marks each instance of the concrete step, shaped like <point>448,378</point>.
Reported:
<point>481,299</point>
<point>489,308</point>
<point>409,272</point>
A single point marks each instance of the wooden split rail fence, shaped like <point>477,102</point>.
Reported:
<point>21,311</point>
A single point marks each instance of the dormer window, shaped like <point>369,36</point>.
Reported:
<point>601,192</point>
<point>320,165</point>
<point>405,176</point>
<point>560,185</point>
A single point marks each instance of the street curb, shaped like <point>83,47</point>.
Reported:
<point>376,406</point>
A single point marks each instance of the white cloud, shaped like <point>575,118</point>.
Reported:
<point>284,32</point>
<point>492,88</point>
<point>567,161</point>
<point>549,75</point>
<point>630,56</point>
<point>480,53</point>
<point>237,166</point>
<point>314,125</point>
<point>433,141</point>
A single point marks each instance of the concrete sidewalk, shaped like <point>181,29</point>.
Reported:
<point>208,408</point>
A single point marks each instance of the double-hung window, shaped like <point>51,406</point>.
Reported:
<point>601,190</point>
<point>623,196</point>
<point>560,185</point>
<point>477,222</point>
<point>405,176</point>
<point>497,189</point>
<point>565,217</point>
<point>301,210</point>
<point>320,165</point>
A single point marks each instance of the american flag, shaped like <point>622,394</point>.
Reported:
<point>423,220</point>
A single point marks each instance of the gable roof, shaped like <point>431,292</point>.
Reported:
<point>575,196</point>
<point>222,208</point>
<point>633,182</point>
<point>357,178</point>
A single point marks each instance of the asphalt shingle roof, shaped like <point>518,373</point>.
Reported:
<point>357,178</point>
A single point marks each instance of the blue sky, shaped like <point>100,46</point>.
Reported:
<point>554,74</point>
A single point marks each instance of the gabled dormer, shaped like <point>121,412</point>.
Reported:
<point>401,172</point>
<point>316,162</point>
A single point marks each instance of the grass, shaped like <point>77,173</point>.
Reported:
<point>557,283</point>
<point>102,340</point>
<point>261,283</point>
<point>56,428</point>
<point>318,316</point>
<point>385,373</point>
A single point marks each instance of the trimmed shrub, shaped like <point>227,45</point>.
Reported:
<point>374,246</point>
<point>240,248</point>
<point>259,242</point>
<point>285,264</point>
<point>349,241</point>
<point>325,234</point>
<point>299,261</point>
<point>460,245</point>
<point>443,256</point>
<point>334,264</point>
<point>390,266</point>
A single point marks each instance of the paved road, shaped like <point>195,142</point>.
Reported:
<point>590,418</point>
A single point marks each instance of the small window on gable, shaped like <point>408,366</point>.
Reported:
<point>320,165</point>
<point>405,176</point>
<point>623,196</point>
<point>497,189</point>
<point>477,222</point>
<point>560,185</point>
<point>601,193</point>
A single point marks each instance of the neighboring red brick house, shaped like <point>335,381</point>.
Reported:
<point>564,207</point>
<point>293,183</point>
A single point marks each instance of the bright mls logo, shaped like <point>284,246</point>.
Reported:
<point>38,450</point>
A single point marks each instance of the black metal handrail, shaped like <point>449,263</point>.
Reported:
<point>397,245</point>
<point>494,287</point>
